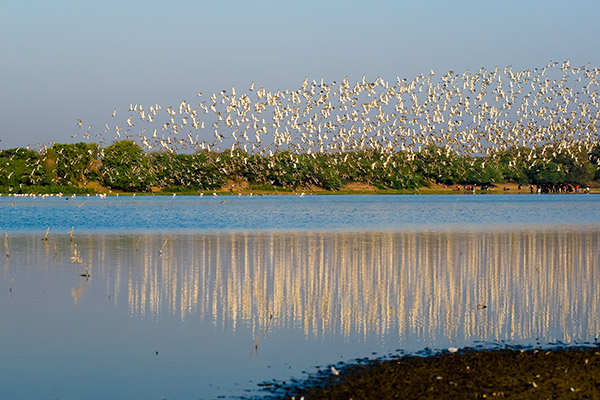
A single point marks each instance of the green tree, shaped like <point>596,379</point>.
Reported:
<point>546,173</point>
<point>577,166</point>
<point>20,168</point>
<point>440,164</point>
<point>186,171</point>
<point>71,164</point>
<point>125,167</point>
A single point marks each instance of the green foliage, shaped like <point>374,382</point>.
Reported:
<point>482,171</point>
<point>198,171</point>
<point>19,168</point>
<point>546,173</point>
<point>440,164</point>
<point>71,164</point>
<point>577,166</point>
<point>126,167</point>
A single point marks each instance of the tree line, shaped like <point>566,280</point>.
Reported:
<point>124,166</point>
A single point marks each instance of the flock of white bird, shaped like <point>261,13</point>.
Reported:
<point>473,113</point>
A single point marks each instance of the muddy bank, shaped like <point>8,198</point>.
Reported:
<point>505,373</point>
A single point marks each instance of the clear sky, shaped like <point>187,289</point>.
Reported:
<point>66,60</point>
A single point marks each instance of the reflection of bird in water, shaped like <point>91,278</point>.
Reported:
<point>163,246</point>
<point>77,291</point>
<point>76,258</point>
<point>6,245</point>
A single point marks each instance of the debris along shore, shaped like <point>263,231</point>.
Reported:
<point>561,373</point>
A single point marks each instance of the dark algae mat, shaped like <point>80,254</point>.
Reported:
<point>564,373</point>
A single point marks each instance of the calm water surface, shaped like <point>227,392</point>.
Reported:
<point>191,298</point>
<point>352,213</point>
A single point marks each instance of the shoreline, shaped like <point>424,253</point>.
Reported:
<point>557,373</point>
<point>358,189</point>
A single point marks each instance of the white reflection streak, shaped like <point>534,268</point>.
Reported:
<point>410,284</point>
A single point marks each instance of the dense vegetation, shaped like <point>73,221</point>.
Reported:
<point>124,166</point>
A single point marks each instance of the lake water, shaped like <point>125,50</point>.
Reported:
<point>291,213</point>
<point>191,298</point>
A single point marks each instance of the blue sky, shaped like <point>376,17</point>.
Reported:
<point>64,60</point>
